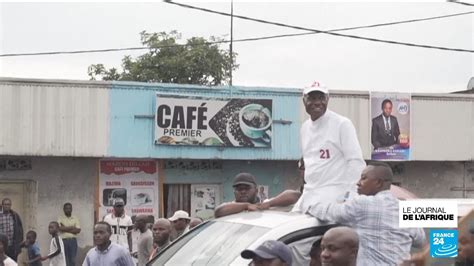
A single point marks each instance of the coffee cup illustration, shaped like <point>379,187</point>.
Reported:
<point>255,121</point>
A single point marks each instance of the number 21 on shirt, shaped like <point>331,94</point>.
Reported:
<point>324,154</point>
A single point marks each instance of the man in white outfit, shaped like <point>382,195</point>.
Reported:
<point>331,152</point>
<point>120,223</point>
<point>332,159</point>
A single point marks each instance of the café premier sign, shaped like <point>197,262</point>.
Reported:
<point>213,122</point>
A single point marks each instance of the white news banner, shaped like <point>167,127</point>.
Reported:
<point>433,213</point>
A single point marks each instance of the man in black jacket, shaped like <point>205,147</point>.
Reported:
<point>11,225</point>
<point>385,129</point>
<point>245,193</point>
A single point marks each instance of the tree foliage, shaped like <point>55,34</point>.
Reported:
<point>199,61</point>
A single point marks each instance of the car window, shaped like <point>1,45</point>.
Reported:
<point>214,243</point>
<point>301,241</point>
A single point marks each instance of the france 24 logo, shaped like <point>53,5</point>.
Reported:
<point>444,243</point>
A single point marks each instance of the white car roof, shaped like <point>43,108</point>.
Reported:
<point>271,219</point>
<point>274,225</point>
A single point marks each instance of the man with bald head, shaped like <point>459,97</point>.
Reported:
<point>339,247</point>
<point>374,214</point>
<point>161,235</point>
<point>195,221</point>
<point>145,240</point>
<point>466,243</point>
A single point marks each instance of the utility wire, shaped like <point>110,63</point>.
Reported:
<point>321,31</point>
<point>77,51</point>
<point>461,3</point>
<point>238,40</point>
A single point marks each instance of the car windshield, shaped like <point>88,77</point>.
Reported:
<point>213,243</point>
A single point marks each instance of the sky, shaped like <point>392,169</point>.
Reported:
<point>340,63</point>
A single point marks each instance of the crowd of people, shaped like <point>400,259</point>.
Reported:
<point>17,250</point>
<point>123,242</point>
<point>118,239</point>
<point>339,188</point>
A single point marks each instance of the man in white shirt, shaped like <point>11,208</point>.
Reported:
<point>120,223</point>
<point>331,152</point>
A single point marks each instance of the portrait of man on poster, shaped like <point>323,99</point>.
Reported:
<point>385,129</point>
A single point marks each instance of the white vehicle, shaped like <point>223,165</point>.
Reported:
<point>220,241</point>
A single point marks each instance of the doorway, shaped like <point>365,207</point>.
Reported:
<point>23,195</point>
<point>176,197</point>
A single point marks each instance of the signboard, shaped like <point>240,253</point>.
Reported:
<point>136,182</point>
<point>213,122</point>
<point>432,213</point>
<point>390,128</point>
<point>204,199</point>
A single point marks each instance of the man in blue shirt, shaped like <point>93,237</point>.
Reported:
<point>374,215</point>
<point>105,252</point>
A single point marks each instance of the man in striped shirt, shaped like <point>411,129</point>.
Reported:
<point>374,214</point>
<point>120,223</point>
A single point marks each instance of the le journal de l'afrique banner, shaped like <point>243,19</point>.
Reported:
<point>181,120</point>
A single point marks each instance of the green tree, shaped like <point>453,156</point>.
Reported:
<point>199,61</point>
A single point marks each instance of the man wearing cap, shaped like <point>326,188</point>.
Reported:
<point>374,214</point>
<point>120,223</point>
<point>245,193</point>
<point>331,152</point>
<point>270,252</point>
<point>180,220</point>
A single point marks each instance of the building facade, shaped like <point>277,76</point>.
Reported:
<point>80,141</point>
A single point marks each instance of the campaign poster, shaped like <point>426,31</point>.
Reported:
<point>390,126</point>
<point>204,199</point>
<point>134,181</point>
<point>181,120</point>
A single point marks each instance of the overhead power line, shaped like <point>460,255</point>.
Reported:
<point>76,51</point>
<point>461,3</point>
<point>239,40</point>
<point>321,31</point>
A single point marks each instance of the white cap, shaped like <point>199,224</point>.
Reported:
<point>179,215</point>
<point>316,86</point>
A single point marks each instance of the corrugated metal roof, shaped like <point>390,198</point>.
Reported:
<point>43,119</point>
